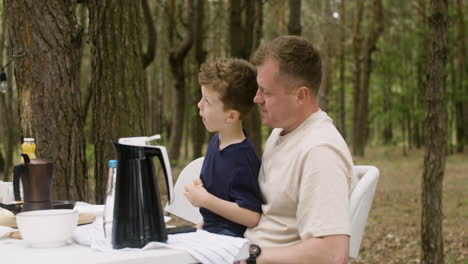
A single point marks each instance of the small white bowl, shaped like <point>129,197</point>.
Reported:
<point>47,228</point>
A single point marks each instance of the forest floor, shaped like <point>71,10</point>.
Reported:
<point>392,233</point>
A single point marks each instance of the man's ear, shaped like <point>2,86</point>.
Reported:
<point>233,116</point>
<point>302,94</point>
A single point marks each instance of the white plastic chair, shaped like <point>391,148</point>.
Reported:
<point>360,200</point>
<point>360,204</point>
<point>181,206</point>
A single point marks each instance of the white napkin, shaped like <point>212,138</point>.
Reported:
<point>206,247</point>
<point>83,207</point>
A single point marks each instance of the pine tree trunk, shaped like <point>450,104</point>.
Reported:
<point>13,133</point>
<point>421,62</point>
<point>46,69</point>
<point>387,105</point>
<point>361,131</point>
<point>342,67</point>
<point>198,133</point>
<point>177,56</point>
<point>461,89</point>
<point>327,31</point>
<point>119,94</point>
<point>294,25</point>
<point>357,126</point>
<point>436,127</point>
<point>244,36</point>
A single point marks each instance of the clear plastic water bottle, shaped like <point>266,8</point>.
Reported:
<point>109,203</point>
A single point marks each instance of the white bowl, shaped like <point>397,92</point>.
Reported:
<point>47,228</point>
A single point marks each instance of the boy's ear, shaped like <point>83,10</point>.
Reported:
<point>233,116</point>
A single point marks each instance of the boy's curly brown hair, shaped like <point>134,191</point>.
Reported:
<point>234,79</point>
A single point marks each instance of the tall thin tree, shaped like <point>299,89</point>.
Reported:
<point>294,23</point>
<point>461,89</point>
<point>177,54</point>
<point>198,132</point>
<point>327,54</point>
<point>432,242</point>
<point>342,67</point>
<point>363,48</point>
<point>245,20</point>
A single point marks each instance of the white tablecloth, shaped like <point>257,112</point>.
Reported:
<point>17,251</point>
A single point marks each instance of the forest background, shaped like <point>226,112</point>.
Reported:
<point>79,74</point>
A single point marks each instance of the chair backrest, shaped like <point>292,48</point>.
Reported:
<point>360,204</point>
<point>181,206</point>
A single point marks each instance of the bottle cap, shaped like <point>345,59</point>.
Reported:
<point>28,139</point>
<point>112,163</point>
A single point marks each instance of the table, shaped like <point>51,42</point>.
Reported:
<point>16,251</point>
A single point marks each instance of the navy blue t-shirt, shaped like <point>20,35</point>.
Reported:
<point>232,175</point>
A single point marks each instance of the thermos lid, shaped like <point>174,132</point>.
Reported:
<point>112,163</point>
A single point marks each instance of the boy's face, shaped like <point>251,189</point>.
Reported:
<point>212,112</point>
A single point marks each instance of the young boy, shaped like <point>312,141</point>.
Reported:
<point>227,192</point>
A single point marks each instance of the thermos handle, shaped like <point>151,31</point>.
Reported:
<point>17,172</point>
<point>164,159</point>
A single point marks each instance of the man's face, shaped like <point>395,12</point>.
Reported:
<point>278,105</point>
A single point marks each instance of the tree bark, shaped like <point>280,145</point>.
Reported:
<point>436,127</point>
<point>177,55</point>
<point>245,21</point>
<point>198,133</point>
<point>342,67</point>
<point>357,140</point>
<point>294,25</point>
<point>150,53</point>
<point>375,31</point>
<point>363,64</point>
<point>119,94</point>
<point>421,62</point>
<point>461,89</point>
<point>45,40</point>
<point>387,105</point>
<point>327,31</point>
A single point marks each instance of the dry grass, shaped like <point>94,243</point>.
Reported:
<point>392,233</point>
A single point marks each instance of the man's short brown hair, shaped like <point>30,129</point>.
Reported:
<point>297,58</point>
<point>234,79</point>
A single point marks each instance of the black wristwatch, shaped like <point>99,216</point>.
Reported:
<point>254,252</point>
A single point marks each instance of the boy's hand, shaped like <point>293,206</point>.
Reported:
<point>196,193</point>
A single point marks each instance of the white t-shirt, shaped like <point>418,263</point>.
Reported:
<point>305,181</point>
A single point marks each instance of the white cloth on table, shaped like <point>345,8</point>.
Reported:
<point>206,247</point>
<point>94,209</point>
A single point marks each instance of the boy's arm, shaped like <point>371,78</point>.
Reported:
<point>200,197</point>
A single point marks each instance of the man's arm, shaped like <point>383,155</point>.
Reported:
<point>327,249</point>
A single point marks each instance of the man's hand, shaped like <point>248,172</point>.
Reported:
<point>196,193</point>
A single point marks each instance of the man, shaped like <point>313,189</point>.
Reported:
<point>306,173</point>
